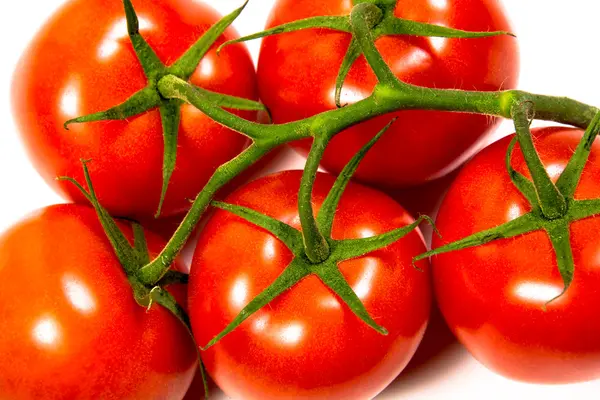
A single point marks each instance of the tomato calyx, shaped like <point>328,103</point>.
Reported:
<point>133,258</point>
<point>553,206</point>
<point>320,228</point>
<point>381,21</point>
<point>150,98</point>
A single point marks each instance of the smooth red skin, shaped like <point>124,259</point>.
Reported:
<point>115,350</point>
<point>336,356</point>
<point>476,288</point>
<point>297,73</point>
<point>127,156</point>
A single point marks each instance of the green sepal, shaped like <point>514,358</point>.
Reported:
<point>350,58</point>
<point>142,101</point>
<point>519,226</point>
<point>170,114</point>
<point>162,297</point>
<point>150,62</point>
<point>522,184</point>
<point>560,237</point>
<point>293,274</point>
<point>399,26</point>
<point>341,24</point>
<point>582,209</point>
<point>140,246</point>
<point>354,248</point>
<point>165,299</point>
<point>331,276</point>
<point>329,206</point>
<point>552,203</point>
<point>316,246</point>
<point>119,242</point>
<point>288,235</point>
<point>569,179</point>
<point>232,102</point>
<point>187,64</point>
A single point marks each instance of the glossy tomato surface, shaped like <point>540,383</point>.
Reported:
<point>307,343</point>
<point>71,328</point>
<point>297,73</point>
<point>492,296</point>
<point>82,62</point>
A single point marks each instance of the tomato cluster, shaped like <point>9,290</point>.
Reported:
<point>85,321</point>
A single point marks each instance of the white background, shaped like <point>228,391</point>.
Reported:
<point>559,50</point>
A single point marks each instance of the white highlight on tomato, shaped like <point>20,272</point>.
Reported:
<point>537,292</point>
<point>69,101</point>
<point>79,295</point>
<point>439,4</point>
<point>416,60</point>
<point>292,334</point>
<point>555,170</point>
<point>365,283</point>
<point>438,43</point>
<point>207,66</point>
<point>514,212</point>
<point>366,233</point>
<point>46,332</point>
<point>116,34</point>
<point>260,324</point>
<point>239,292</point>
<point>269,249</point>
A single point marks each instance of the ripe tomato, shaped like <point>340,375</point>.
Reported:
<point>74,67</point>
<point>492,296</point>
<point>306,343</point>
<point>71,328</point>
<point>297,73</point>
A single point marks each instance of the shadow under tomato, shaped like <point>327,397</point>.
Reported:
<point>196,390</point>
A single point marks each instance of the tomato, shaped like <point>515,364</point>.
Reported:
<point>306,343</point>
<point>297,73</point>
<point>493,296</point>
<point>71,328</point>
<point>75,67</point>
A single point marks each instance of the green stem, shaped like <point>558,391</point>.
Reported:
<point>384,100</point>
<point>154,271</point>
<point>363,18</point>
<point>315,244</point>
<point>551,201</point>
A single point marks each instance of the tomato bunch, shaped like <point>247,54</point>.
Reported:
<point>303,284</point>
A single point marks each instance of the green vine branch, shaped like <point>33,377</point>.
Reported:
<point>366,23</point>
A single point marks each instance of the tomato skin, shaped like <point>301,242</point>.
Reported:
<point>306,343</point>
<point>74,67</point>
<point>507,282</point>
<point>71,328</point>
<point>297,73</point>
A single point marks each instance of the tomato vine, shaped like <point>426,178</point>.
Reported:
<point>389,95</point>
<point>315,252</point>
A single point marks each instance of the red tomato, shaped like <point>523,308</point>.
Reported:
<point>493,296</point>
<point>83,62</point>
<point>71,328</point>
<point>306,343</point>
<point>297,73</point>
